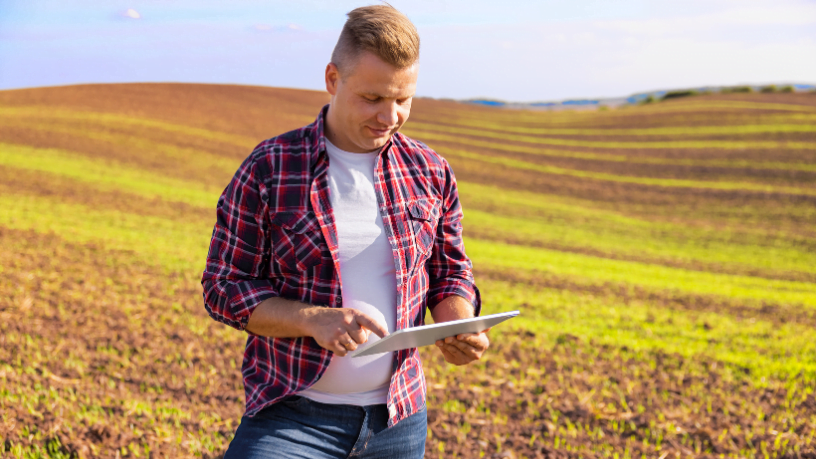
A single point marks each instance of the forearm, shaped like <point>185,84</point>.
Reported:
<point>337,329</point>
<point>464,348</point>
<point>281,318</point>
<point>453,307</point>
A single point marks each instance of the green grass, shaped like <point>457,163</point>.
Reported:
<point>768,350</point>
<point>589,270</point>
<point>648,145</point>
<point>649,181</point>
<point>169,155</point>
<point>477,128</point>
<point>582,117</point>
<point>617,158</point>
<point>100,120</point>
<point>531,219</point>
<point>644,240</point>
<point>175,245</point>
<point>109,175</point>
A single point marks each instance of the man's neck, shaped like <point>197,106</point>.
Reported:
<point>333,135</point>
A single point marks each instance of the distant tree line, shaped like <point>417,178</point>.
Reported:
<point>769,89</point>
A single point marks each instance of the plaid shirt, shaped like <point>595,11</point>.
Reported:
<point>275,236</point>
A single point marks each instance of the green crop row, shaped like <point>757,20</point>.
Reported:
<point>535,219</point>
<point>590,270</point>
<point>177,246</point>
<point>449,134</point>
<point>112,119</point>
<point>769,350</point>
<point>108,175</point>
<point>574,212</point>
<point>182,246</point>
<point>487,129</point>
<point>644,242</point>
<point>712,108</point>
<point>617,158</point>
<point>659,182</point>
<point>614,238</point>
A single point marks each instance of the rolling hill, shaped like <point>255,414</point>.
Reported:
<point>663,257</point>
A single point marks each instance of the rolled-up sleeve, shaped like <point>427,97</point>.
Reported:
<point>235,279</point>
<point>450,270</point>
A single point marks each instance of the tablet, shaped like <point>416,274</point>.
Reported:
<point>429,334</point>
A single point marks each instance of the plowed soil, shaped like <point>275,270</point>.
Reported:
<point>121,349</point>
<point>106,352</point>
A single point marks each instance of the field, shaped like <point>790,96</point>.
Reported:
<point>663,258</point>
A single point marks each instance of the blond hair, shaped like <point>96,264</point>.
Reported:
<point>381,30</point>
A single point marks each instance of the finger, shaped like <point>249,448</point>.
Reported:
<point>464,336</point>
<point>371,324</point>
<point>347,342</point>
<point>479,342</point>
<point>474,346</point>
<point>450,358</point>
<point>466,349</point>
<point>339,350</point>
<point>359,334</point>
<point>457,353</point>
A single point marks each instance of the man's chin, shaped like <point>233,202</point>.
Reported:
<point>377,142</point>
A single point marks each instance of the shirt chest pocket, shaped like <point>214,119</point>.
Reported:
<point>297,242</point>
<point>423,215</point>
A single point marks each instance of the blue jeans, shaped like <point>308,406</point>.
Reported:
<point>298,427</point>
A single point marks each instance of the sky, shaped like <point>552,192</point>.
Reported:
<point>519,51</point>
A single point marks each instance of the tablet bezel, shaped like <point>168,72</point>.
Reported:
<point>450,328</point>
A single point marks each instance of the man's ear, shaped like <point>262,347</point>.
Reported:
<point>332,78</point>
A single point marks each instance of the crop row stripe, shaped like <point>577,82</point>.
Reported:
<point>113,119</point>
<point>174,245</point>
<point>108,175</point>
<point>646,243</point>
<point>479,128</point>
<point>515,116</point>
<point>196,156</point>
<point>667,144</point>
<point>672,183</point>
<point>735,164</point>
<point>651,276</point>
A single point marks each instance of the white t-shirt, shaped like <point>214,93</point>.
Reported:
<point>368,276</point>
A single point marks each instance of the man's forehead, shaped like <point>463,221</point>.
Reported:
<point>395,92</point>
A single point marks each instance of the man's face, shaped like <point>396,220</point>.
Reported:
<point>369,103</point>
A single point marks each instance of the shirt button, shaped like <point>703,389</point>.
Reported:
<point>338,300</point>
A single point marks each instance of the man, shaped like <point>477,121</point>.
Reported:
<point>331,233</point>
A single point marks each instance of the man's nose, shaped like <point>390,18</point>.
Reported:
<point>388,115</point>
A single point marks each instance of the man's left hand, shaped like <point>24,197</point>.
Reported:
<point>465,348</point>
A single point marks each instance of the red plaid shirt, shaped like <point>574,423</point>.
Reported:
<point>275,236</point>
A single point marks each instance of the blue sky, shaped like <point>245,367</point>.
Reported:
<point>512,50</point>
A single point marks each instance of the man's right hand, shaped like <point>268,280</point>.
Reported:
<point>341,330</point>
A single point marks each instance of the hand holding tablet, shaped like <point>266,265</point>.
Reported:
<point>429,334</point>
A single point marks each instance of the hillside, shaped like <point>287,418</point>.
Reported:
<point>663,258</point>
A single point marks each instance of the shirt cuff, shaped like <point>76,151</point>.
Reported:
<point>245,296</point>
<point>463,288</point>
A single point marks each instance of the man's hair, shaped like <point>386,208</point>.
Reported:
<point>381,30</point>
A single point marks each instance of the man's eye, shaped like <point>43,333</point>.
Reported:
<point>370,99</point>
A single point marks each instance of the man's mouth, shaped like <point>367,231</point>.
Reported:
<point>379,132</point>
